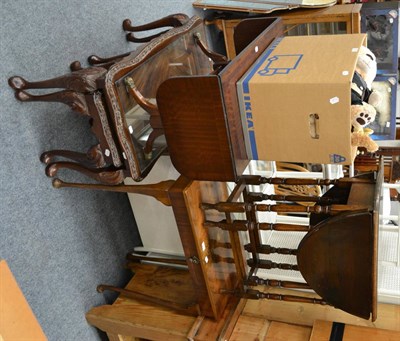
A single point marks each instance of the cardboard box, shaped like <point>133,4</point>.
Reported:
<point>295,100</point>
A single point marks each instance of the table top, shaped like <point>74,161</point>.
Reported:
<point>338,257</point>
<point>207,250</point>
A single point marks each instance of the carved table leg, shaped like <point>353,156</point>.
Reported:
<point>73,99</point>
<point>93,158</point>
<point>81,80</point>
<point>96,60</point>
<point>174,20</point>
<point>159,191</point>
<point>109,175</point>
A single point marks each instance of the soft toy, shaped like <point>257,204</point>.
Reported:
<point>362,115</point>
<point>365,73</point>
<point>364,100</point>
<point>362,139</point>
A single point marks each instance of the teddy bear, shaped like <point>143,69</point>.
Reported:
<point>364,100</point>
<point>361,116</point>
<point>362,139</point>
<point>364,75</point>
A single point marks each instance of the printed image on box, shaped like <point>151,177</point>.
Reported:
<point>295,100</point>
<point>280,64</point>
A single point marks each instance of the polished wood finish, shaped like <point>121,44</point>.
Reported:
<point>107,175</point>
<point>211,272</point>
<point>282,208</point>
<point>257,295</point>
<point>254,281</point>
<point>93,157</point>
<point>341,262</point>
<point>244,225</point>
<point>360,244</point>
<point>205,152</point>
<point>248,30</point>
<point>80,81</point>
<point>208,276</point>
<point>174,20</point>
<point>218,59</point>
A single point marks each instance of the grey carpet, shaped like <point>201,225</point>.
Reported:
<point>61,243</point>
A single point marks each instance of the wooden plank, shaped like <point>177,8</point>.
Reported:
<point>305,314</point>
<point>249,328</point>
<point>163,282</point>
<point>322,331</point>
<point>369,334</point>
<point>232,320</point>
<point>221,329</point>
<point>128,320</point>
<point>17,320</point>
<point>283,331</point>
<point>131,318</point>
<point>114,337</point>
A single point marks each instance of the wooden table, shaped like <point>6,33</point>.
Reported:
<point>118,95</point>
<point>348,14</point>
<point>345,271</point>
<point>208,275</point>
<point>338,258</point>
